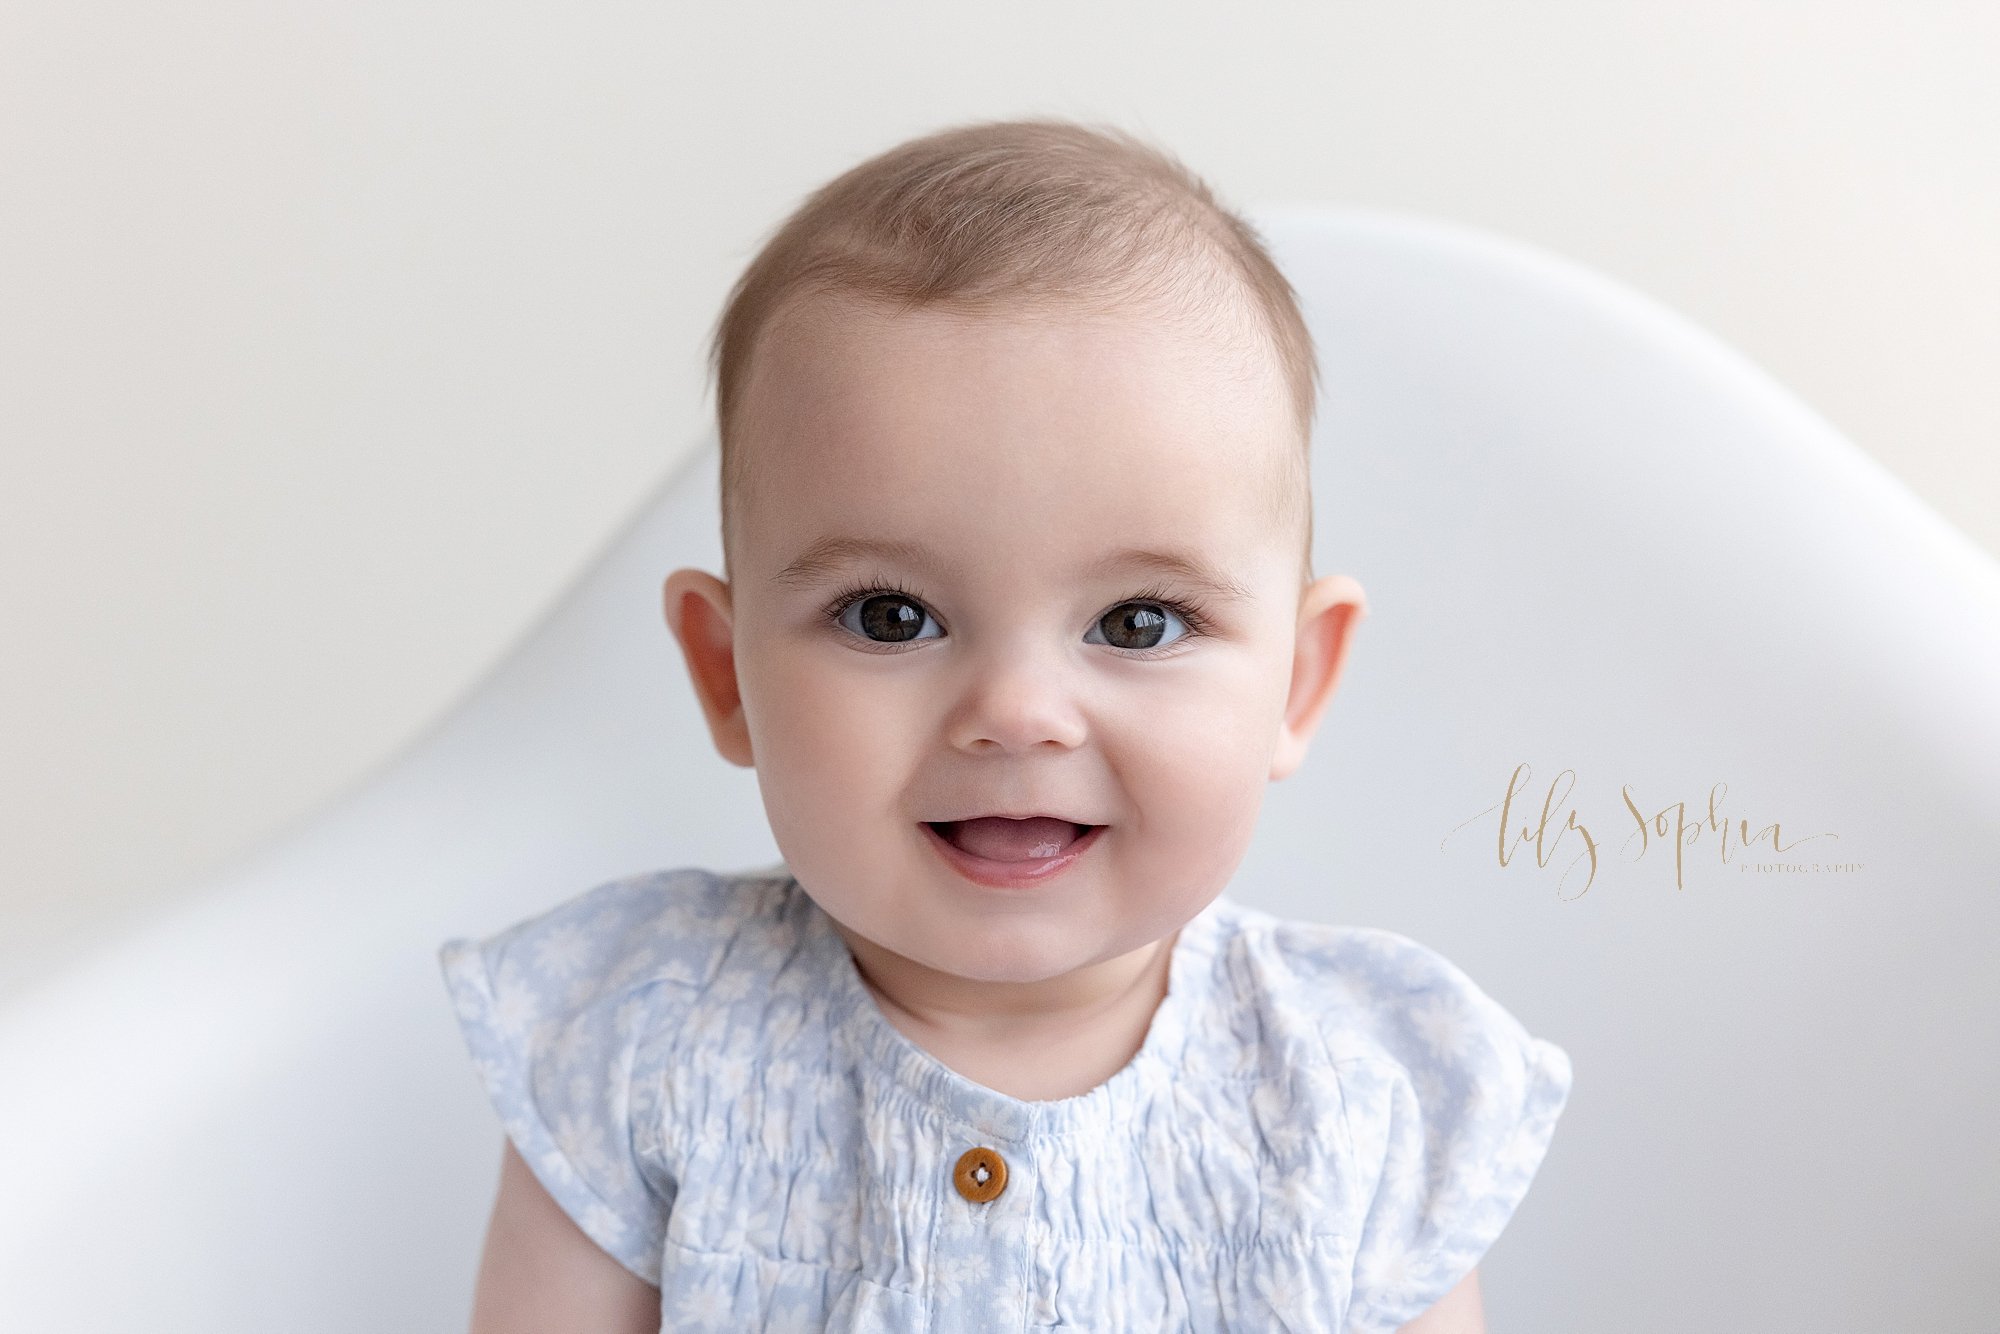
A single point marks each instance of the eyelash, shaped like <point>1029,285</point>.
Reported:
<point>1192,613</point>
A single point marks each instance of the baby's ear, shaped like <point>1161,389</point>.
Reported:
<point>700,614</point>
<point>1329,610</point>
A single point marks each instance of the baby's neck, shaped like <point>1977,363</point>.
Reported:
<point>1047,1058</point>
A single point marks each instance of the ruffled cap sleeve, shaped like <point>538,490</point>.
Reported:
<point>564,1015</point>
<point>1450,1106</point>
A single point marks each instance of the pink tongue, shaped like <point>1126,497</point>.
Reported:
<point>1005,840</point>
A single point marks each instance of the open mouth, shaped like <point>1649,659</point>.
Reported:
<point>996,838</point>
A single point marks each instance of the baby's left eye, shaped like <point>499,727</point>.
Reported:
<point>1137,625</point>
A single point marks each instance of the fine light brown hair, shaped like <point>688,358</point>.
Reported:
<point>1022,217</point>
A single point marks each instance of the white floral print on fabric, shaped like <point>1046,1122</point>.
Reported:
<point>1324,1130</point>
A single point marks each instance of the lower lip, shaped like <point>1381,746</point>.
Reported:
<point>1011,875</point>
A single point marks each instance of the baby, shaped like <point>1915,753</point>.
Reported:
<point>1018,620</point>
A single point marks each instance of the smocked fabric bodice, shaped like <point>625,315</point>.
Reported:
<point>1324,1128</point>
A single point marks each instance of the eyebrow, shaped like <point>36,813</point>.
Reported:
<point>829,554</point>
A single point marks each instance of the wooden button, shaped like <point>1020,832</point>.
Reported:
<point>980,1175</point>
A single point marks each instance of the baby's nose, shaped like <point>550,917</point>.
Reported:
<point>1019,706</point>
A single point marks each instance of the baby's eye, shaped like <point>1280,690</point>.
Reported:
<point>885,618</point>
<point>1138,625</point>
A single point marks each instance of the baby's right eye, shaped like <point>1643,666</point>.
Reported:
<point>882,617</point>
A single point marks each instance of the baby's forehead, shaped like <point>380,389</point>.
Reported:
<point>863,371</point>
<point>1119,419</point>
<point>952,433</point>
<point>1214,531</point>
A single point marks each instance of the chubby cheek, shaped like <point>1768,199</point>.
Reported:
<point>832,758</point>
<point>1196,766</point>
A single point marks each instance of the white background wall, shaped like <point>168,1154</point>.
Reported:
<point>334,338</point>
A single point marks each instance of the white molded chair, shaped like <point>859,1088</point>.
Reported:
<point>1594,539</point>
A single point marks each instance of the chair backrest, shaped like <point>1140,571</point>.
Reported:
<point>1595,540</point>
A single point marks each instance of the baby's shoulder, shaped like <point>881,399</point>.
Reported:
<point>574,1017</point>
<point>665,930</point>
<point>1372,994</point>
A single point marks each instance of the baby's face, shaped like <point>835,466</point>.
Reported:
<point>937,612</point>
